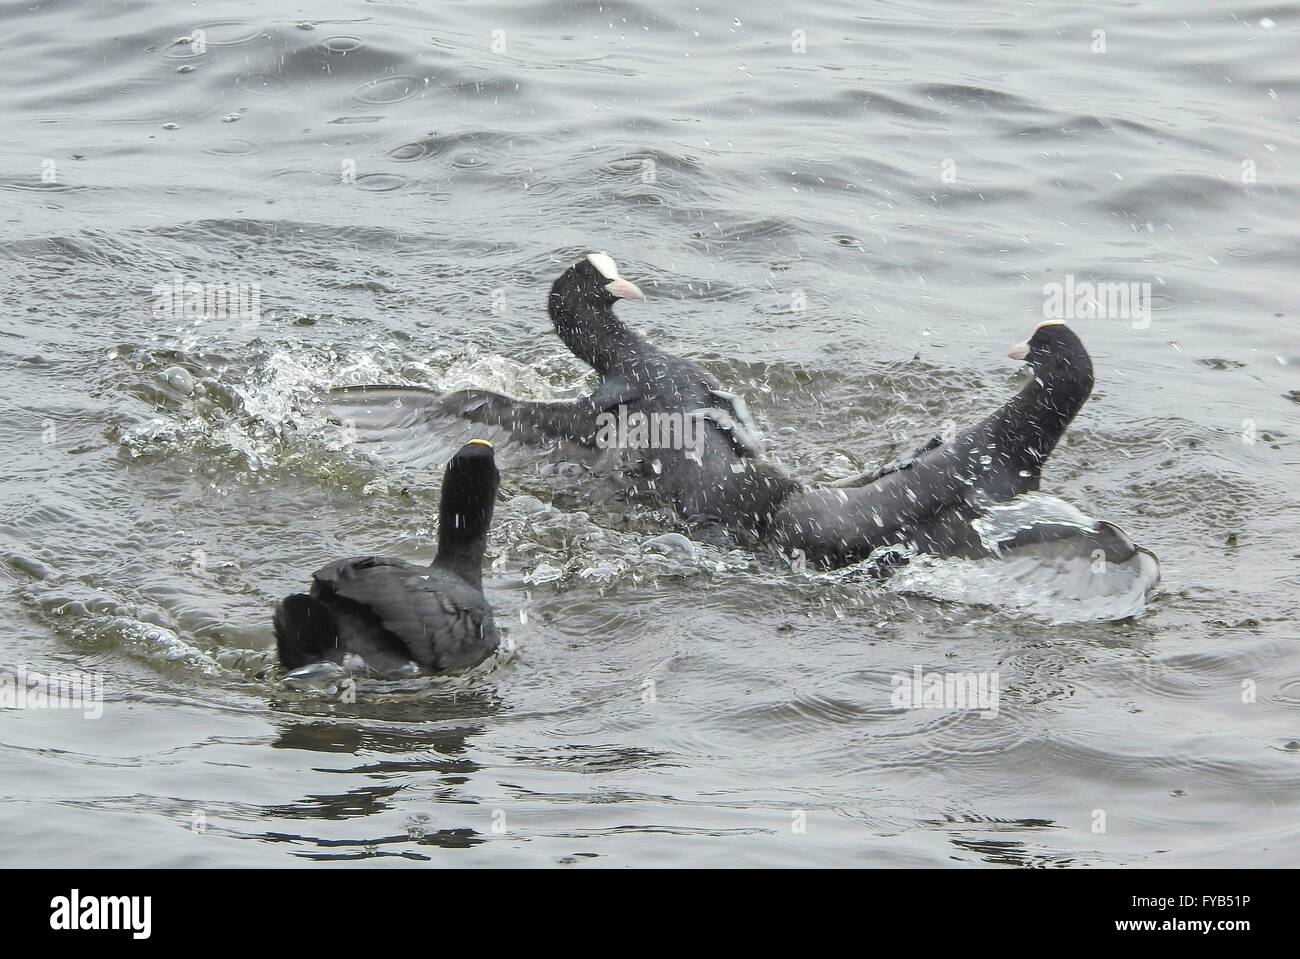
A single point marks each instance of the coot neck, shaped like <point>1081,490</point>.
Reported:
<point>463,521</point>
<point>1037,416</point>
<point>592,332</point>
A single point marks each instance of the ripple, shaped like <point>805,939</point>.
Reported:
<point>1084,125</point>
<point>230,33</point>
<point>639,163</point>
<point>389,89</point>
<point>415,150</point>
<point>232,147</point>
<point>36,186</point>
<point>1159,302</point>
<point>342,46</point>
<point>960,95</point>
<point>628,167</point>
<point>759,229</point>
<point>263,84</point>
<point>100,618</point>
<point>1288,693</point>
<point>179,50</point>
<point>486,87</point>
<point>808,712</point>
<point>1168,195</point>
<point>381,182</point>
<point>879,103</point>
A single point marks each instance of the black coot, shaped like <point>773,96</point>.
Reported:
<point>393,613</point>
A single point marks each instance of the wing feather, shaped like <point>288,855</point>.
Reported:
<point>422,428</point>
<point>442,621</point>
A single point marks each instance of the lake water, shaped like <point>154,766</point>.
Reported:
<point>846,211</point>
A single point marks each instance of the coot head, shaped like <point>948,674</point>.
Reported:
<point>469,492</point>
<point>581,304</point>
<point>1054,350</point>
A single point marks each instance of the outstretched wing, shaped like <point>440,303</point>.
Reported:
<point>422,428</point>
<point>443,622</point>
<point>870,476</point>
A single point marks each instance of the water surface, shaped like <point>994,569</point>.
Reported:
<point>847,211</point>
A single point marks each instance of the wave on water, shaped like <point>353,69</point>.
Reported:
<point>266,409</point>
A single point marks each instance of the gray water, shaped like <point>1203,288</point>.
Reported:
<point>850,225</point>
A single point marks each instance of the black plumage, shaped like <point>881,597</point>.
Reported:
<point>720,477</point>
<point>391,612</point>
<point>928,501</point>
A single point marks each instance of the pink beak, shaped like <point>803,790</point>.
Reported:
<point>624,289</point>
<point>1020,351</point>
